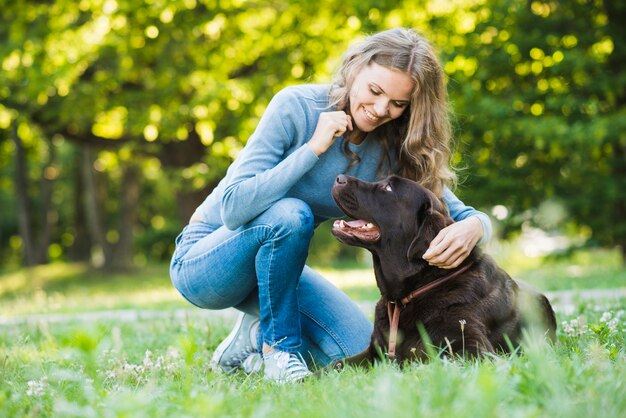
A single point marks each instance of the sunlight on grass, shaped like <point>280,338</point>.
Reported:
<point>69,288</point>
<point>105,366</point>
<point>27,279</point>
<point>359,284</point>
<point>75,288</point>
<point>160,368</point>
<point>585,269</point>
<point>510,255</point>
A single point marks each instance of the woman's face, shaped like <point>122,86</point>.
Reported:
<point>378,95</point>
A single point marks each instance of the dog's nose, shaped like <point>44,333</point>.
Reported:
<point>341,179</point>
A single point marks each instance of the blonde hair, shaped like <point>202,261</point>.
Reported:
<point>421,136</point>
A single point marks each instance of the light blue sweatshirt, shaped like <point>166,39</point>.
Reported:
<point>275,164</point>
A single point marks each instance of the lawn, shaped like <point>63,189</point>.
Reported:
<point>68,288</point>
<point>156,366</point>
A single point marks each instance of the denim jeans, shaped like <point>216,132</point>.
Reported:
<point>260,269</point>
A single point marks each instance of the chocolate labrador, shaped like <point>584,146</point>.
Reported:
<point>471,310</point>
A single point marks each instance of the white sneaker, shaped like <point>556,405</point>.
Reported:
<point>239,349</point>
<point>252,363</point>
<point>282,367</point>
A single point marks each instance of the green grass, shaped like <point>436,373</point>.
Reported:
<point>157,366</point>
<point>64,288</point>
<point>585,269</point>
<point>69,288</point>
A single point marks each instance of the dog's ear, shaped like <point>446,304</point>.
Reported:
<point>430,220</point>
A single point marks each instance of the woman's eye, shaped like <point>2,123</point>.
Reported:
<point>375,92</point>
<point>388,188</point>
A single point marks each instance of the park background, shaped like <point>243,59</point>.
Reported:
<point>118,117</point>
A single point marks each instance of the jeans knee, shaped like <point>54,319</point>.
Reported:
<point>293,216</point>
<point>197,291</point>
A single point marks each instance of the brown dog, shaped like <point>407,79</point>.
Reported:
<point>471,310</point>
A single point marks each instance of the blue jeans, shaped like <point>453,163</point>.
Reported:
<point>260,269</point>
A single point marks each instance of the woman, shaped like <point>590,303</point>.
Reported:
<point>246,245</point>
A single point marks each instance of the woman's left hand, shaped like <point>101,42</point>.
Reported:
<point>454,243</point>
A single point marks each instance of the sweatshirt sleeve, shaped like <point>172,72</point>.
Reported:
<point>261,174</point>
<point>459,211</point>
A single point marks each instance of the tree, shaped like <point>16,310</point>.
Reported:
<point>539,88</point>
<point>176,84</point>
<point>118,117</point>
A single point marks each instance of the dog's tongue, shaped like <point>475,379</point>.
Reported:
<point>356,224</point>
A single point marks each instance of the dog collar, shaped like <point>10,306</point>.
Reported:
<point>394,313</point>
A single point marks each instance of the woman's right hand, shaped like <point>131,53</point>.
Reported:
<point>329,126</point>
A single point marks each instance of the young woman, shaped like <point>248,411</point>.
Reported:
<point>246,245</point>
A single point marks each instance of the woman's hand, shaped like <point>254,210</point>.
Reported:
<point>454,243</point>
<point>329,126</point>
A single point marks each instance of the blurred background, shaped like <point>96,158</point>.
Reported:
<point>118,117</point>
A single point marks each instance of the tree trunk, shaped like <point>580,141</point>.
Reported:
<point>81,246</point>
<point>23,203</point>
<point>100,252</point>
<point>188,202</point>
<point>48,215</point>
<point>130,187</point>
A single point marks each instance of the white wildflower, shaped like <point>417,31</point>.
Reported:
<point>567,329</point>
<point>462,322</point>
<point>37,388</point>
<point>606,316</point>
<point>574,328</point>
<point>120,369</point>
<point>173,353</point>
<point>147,363</point>
<point>612,324</point>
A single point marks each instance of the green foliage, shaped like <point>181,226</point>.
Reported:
<point>175,88</point>
<point>539,89</point>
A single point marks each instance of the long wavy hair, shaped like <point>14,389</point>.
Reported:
<point>421,137</point>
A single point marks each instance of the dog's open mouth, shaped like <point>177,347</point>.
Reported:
<point>359,229</point>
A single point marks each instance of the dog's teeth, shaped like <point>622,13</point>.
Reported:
<point>342,223</point>
<point>370,225</point>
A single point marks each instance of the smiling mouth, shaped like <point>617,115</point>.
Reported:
<point>359,229</point>
<point>370,117</point>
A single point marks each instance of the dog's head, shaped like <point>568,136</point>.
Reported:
<point>395,219</point>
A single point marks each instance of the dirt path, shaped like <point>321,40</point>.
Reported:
<point>564,301</point>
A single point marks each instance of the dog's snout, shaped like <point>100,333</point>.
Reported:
<point>341,179</point>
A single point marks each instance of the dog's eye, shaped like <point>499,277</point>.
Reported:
<point>388,187</point>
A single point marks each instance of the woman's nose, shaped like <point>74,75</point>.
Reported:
<point>382,108</point>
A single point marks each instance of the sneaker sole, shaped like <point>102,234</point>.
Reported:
<point>219,351</point>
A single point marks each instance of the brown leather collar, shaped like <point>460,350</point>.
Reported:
<point>394,314</point>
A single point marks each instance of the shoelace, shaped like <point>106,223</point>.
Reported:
<point>293,365</point>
